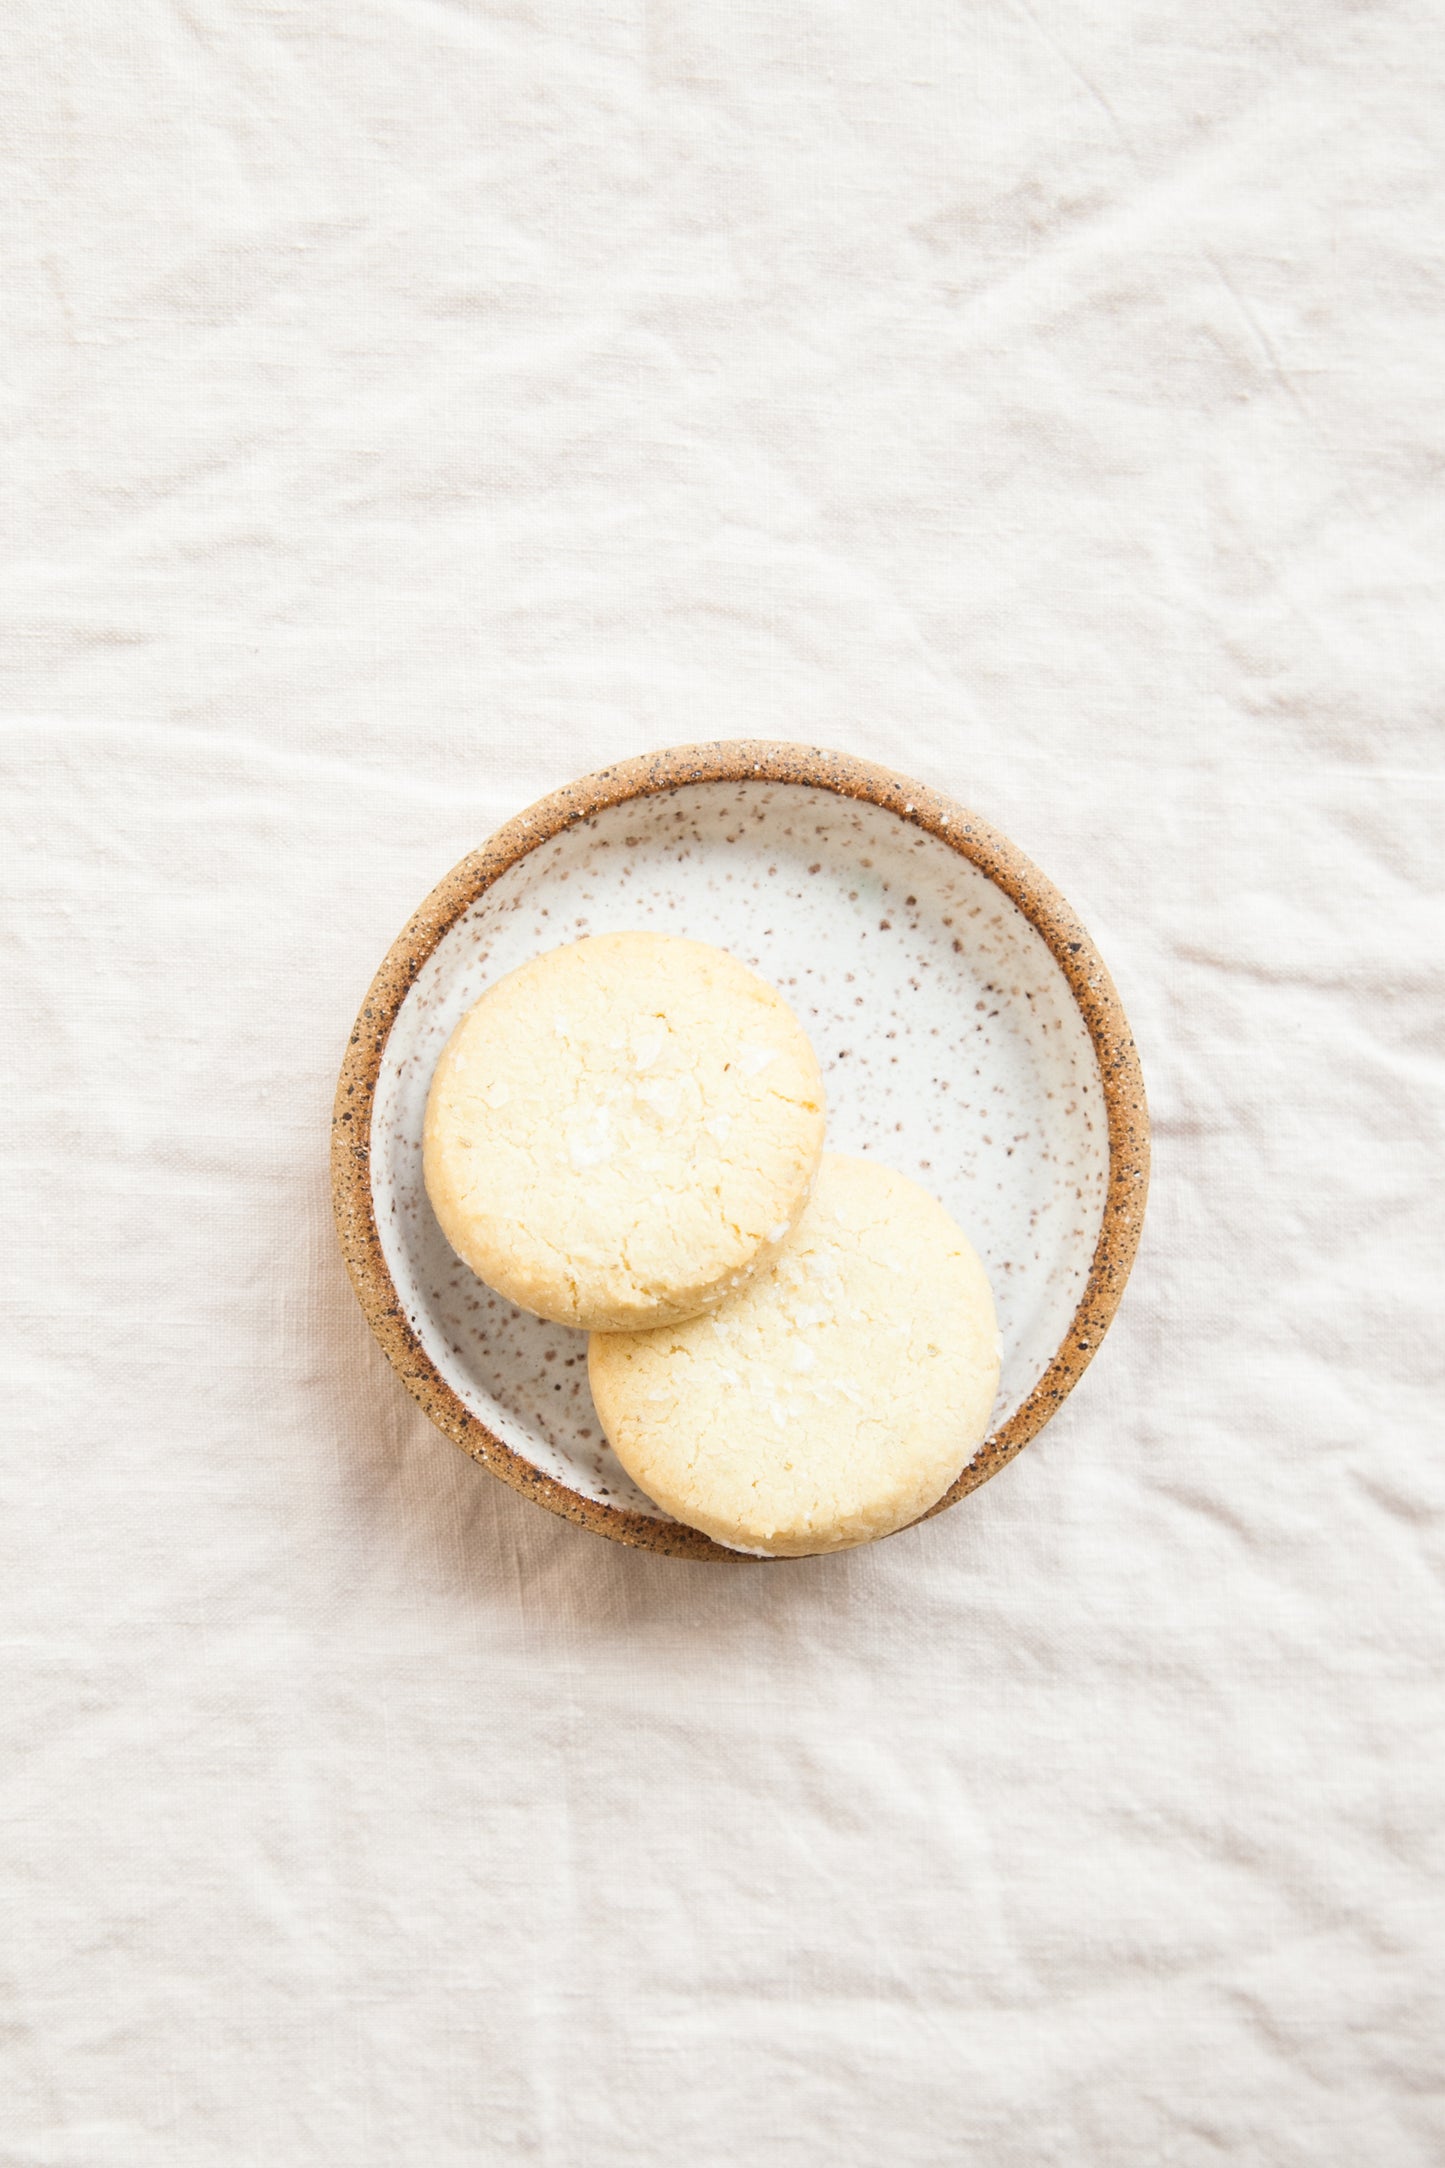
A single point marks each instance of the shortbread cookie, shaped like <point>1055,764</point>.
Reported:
<point>624,1130</point>
<point>831,1401</point>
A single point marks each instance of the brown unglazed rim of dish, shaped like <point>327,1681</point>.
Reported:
<point>738,760</point>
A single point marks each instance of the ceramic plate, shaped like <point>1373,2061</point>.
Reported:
<point>968,1032</point>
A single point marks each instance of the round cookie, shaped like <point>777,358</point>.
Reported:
<point>622,1131</point>
<point>831,1401</point>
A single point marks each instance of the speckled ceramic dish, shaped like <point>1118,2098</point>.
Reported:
<point>968,1031</point>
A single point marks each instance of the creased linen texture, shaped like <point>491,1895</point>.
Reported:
<point>410,405</point>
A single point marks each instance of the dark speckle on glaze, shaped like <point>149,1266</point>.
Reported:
<point>968,1032</point>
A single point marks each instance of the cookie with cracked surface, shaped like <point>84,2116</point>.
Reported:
<point>834,1399</point>
<point>622,1131</point>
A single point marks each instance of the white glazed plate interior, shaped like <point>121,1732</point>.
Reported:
<point>950,1044</point>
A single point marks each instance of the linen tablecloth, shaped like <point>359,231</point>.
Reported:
<point>411,404</point>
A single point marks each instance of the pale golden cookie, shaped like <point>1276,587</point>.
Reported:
<point>832,1400</point>
<point>622,1131</point>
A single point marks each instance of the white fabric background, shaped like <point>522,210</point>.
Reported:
<point>411,404</point>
